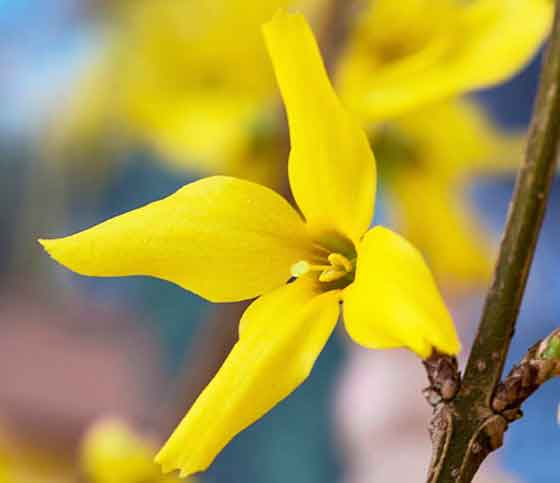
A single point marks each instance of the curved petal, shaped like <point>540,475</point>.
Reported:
<point>113,451</point>
<point>202,131</point>
<point>394,301</point>
<point>505,36</point>
<point>281,336</point>
<point>471,142</point>
<point>223,238</point>
<point>432,214</point>
<point>331,167</point>
<point>483,43</point>
<point>83,120</point>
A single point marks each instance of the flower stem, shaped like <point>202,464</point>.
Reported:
<point>525,219</point>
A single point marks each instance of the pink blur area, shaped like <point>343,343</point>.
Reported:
<point>64,364</point>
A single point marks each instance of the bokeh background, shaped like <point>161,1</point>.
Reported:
<point>76,350</point>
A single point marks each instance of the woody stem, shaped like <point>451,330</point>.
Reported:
<point>466,429</point>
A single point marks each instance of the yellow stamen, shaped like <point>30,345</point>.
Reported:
<point>338,260</point>
<point>331,274</point>
<point>302,267</point>
<point>339,266</point>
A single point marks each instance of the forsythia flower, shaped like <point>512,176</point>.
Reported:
<point>228,240</point>
<point>426,171</point>
<point>399,65</point>
<point>403,55</point>
<point>190,79</point>
<point>20,463</point>
<point>112,453</point>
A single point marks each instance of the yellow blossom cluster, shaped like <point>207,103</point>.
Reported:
<point>192,80</point>
<point>229,239</point>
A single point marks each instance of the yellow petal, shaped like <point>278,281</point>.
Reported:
<point>112,452</point>
<point>201,131</point>
<point>394,301</point>
<point>505,34</point>
<point>331,167</point>
<point>470,143</point>
<point>429,169</point>
<point>467,46</point>
<point>432,214</point>
<point>83,120</point>
<point>281,335</point>
<point>222,238</point>
<point>175,78</point>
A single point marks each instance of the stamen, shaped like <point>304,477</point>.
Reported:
<point>331,274</point>
<point>320,248</point>
<point>302,267</point>
<point>339,267</point>
<point>338,260</point>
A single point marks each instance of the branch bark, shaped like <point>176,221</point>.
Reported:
<point>466,429</point>
<point>539,365</point>
<point>445,379</point>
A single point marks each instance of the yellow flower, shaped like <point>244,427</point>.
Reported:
<point>189,79</point>
<point>428,159</point>
<point>192,81</point>
<point>176,79</point>
<point>24,463</point>
<point>406,54</point>
<point>227,240</point>
<point>406,67</point>
<point>112,453</point>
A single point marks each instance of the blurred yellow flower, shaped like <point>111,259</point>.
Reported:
<point>191,79</point>
<point>428,159</point>
<point>112,452</point>
<point>403,55</point>
<point>430,143</point>
<point>20,463</point>
<point>228,239</point>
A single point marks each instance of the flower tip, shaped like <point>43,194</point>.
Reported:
<point>159,458</point>
<point>169,463</point>
<point>184,474</point>
<point>166,465</point>
<point>46,244</point>
<point>50,246</point>
<point>66,254</point>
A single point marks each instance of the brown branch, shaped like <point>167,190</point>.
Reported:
<point>526,214</point>
<point>539,365</point>
<point>467,429</point>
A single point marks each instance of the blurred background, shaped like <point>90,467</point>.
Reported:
<point>107,105</point>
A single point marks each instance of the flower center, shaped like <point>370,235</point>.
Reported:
<point>338,267</point>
